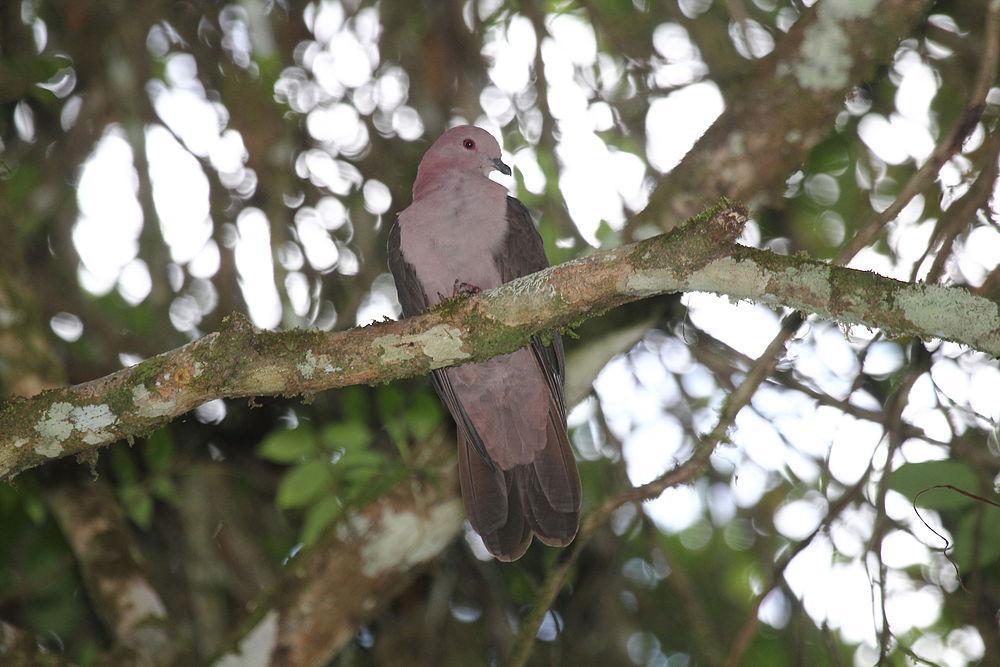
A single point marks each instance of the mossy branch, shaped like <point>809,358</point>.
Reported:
<point>701,255</point>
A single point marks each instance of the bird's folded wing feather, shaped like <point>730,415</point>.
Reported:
<point>415,301</point>
<point>523,253</point>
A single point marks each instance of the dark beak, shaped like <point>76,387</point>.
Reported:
<point>501,167</point>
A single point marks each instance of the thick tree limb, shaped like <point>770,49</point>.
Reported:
<point>88,513</point>
<point>19,649</point>
<point>786,106</point>
<point>335,586</point>
<point>110,562</point>
<point>223,560</point>
<point>239,361</point>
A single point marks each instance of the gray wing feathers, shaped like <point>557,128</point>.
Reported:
<point>548,488</point>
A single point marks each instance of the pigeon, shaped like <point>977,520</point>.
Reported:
<point>462,234</point>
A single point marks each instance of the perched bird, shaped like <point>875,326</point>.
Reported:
<point>463,234</point>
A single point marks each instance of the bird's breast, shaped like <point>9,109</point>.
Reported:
<point>449,238</point>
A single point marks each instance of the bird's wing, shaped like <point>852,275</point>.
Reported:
<point>521,254</point>
<point>411,295</point>
<point>549,487</point>
<point>415,301</point>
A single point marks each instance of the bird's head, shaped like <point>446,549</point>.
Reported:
<point>463,149</point>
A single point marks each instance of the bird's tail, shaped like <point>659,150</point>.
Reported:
<point>507,506</point>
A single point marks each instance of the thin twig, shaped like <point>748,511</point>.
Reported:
<point>897,402</point>
<point>745,635</point>
<point>948,146</point>
<point>687,471</point>
<point>963,212</point>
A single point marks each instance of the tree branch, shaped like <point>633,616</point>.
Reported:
<point>699,256</point>
<point>785,107</point>
<point>681,474</point>
<point>355,568</point>
<point>951,143</point>
<point>110,562</point>
<point>19,649</point>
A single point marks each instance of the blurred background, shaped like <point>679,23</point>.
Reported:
<point>164,164</point>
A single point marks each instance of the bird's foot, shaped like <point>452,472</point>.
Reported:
<point>465,289</point>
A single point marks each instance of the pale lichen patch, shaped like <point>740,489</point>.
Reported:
<point>813,280</point>
<point>93,418</point>
<point>49,448</point>
<point>138,602</point>
<point>737,144</point>
<point>308,367</point>
<point>407,538</point>
<point>55,425</point>
<point>353,527</point>
<point>854,310</point>
<point>442,343</point>
<point>843,10</point>
<point>20,442</point>
<point>948,312</point>
<point>9,318</point>
<point>61,419</point>
<point>148,405</point>
<point>825,58</point>
<point>646,282</point>
<point>740,279</point>
<point>535,284</point>
<point>257,647</point>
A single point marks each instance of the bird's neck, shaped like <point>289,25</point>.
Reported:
<point>432,177</point>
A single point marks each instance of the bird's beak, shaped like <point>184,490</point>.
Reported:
<point>501,167</point>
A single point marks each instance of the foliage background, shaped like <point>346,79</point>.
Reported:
<point>167,163</point>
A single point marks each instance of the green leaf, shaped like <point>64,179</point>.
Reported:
<point>608,237</point>
<point>965,539</point>
<point>346,435</point>
<point>318,517</point>
<point>913,478</point>
<point>35,509</point>
<point>358,476</point>
<point>830,156</point>
<point>397,432</point>
<point>390,401</point>
<point>164,488</point>
<point>288,445</point>
<point>423,415</point>
<point>360,466</point>
<point>355,402</point>
<point>138,504</point>
<point>159,450</point>
<point>304,483</point>
<point>121,465</point>
<point>361,457</point>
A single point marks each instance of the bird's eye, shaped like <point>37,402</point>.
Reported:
<point>469,144</point>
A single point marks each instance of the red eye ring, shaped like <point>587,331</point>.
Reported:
<point>469,144</point>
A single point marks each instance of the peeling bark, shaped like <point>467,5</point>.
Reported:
<point>699,256</point>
